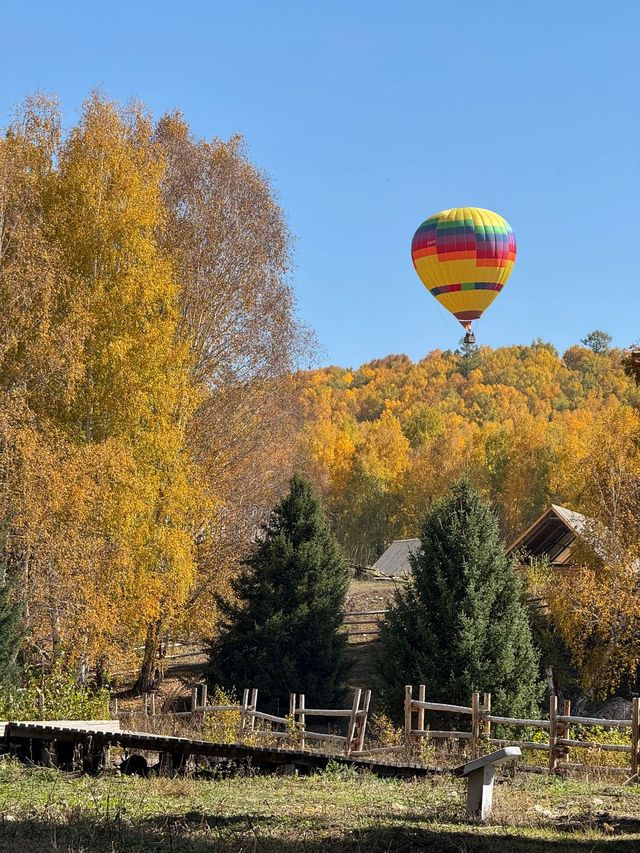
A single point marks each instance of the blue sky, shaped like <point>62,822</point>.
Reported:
<point>369,117</point>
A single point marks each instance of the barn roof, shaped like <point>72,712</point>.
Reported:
<point>395,560</point>
<point>552,535</point>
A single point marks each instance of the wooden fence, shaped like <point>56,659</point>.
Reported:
<point>557,725</point>
<point>363,623</point>
<point>357,623</point>
<point>293,727</point>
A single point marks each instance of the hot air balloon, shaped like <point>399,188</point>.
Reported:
<point>464,257</point>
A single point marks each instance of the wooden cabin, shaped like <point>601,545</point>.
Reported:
<point>552,536</point>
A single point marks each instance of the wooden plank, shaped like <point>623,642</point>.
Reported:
<point>323,736</point>
<point>514,721</point>
<point>253,707</point>
<point>325,712</point>
<point>243,713</point>
<point>351,729</point>
<point>437,734</point>
<point>301,703</point>
<point>269,718</point>
<point>587,744</point>
<point>408,707</point>
<point>422,696</point>
<point>553,731</point>
<point>524,744</point>
<point>475,724</point>
<point>263,733</point>
<point>365,613</point>
<point>441,706</point>
<point>594,721</point>
<point>363,716</point>
<point>566,730</point>
<point>486,715</point>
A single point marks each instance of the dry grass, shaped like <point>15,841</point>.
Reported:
<point>336,811</point>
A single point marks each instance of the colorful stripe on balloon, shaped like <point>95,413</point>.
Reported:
<point>464,257</point>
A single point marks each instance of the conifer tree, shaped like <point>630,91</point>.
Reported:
<point>10,628</point>
<point>280,634</point>
<point>460,625</point>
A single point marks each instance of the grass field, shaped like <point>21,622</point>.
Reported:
<point>337,811</point>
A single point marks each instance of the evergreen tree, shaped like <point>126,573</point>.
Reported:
<point>460,625</point>
<point>469,357</point>
<point>10,628</point>
<point>280,634</point>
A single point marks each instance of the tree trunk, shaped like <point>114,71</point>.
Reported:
<point>149,676</point>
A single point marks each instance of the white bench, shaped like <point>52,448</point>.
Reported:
<point>480,774</point>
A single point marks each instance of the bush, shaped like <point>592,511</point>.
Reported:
<point>56,696</point>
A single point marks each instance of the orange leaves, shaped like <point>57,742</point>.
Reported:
<point>511,422</point>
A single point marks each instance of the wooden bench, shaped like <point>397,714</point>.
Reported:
<point>480,774</point>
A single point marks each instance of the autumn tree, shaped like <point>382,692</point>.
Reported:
<point>230,248</point>
<point>596,605</point>
<point>106,527</point>
<point>281,630</point>
<point>460,625</point>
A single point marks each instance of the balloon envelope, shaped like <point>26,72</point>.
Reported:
<point>464,257</point>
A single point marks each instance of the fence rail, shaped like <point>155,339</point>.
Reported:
<point>558,726</point>
<point>294,726</point>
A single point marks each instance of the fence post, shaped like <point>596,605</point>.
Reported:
<point>115,707</point>
<point>408,691</point>
<point>205,694</point>
<point>486,709</point>
<point>145,703</point>
<point>553,731</point>
<point>422,696</point>
<point>566,712</point>
<point>363,720</point>
<point>194,697</point>
<point>254,707</point>
<point>302,720</point>
<point>353,719</point>
<point>475,724</point>
<point>243,713</point>
<point>635,736</point>
<point>153,703</point>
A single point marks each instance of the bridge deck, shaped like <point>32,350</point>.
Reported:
<point>257,756</point>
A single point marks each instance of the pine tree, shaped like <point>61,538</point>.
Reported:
<point>10,628</point>
<point>280,634</point>
<point>460,625</point>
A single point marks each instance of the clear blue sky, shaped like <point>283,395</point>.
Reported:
<point>369,117</point>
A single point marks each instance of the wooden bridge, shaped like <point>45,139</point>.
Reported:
<point>87,745</point>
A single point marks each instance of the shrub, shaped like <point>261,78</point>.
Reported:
<point>56,696</point>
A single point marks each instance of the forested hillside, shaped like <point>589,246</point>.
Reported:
<point>527,424</point>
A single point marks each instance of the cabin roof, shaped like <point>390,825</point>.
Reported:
<point>552,535</point>
<point>394,562</point>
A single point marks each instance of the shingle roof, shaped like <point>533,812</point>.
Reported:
<point>395,560</point>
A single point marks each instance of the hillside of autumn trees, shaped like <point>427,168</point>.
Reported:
<point>383,441</point>
<point>147,331</point>
<point>528,426</point>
